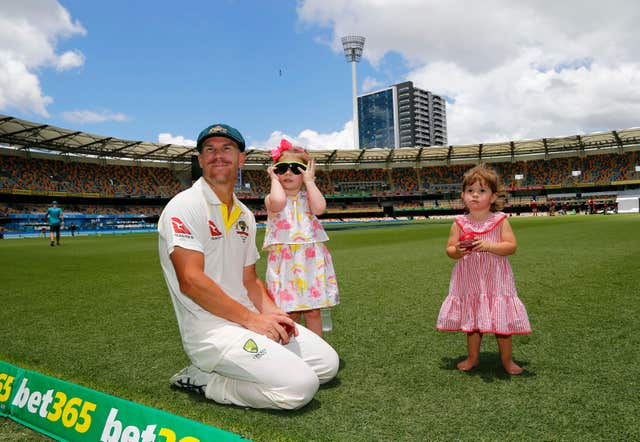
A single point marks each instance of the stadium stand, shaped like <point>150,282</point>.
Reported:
<point>85,178</point>
<point>129,182</point>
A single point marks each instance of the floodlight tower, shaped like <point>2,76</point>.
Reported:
<point>353,46</point>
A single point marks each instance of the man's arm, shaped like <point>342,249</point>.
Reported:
<point>257,292</point>
<point>189,267</point>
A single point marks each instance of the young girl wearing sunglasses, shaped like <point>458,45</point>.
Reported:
<point>300,275</point>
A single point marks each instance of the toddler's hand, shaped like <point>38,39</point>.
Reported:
<point>310,173</point>
<point>462,247</point>
<point>271,172</point>
<point>481,246</point>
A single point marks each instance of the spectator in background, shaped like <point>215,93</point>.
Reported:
<point>55,218</point>
<point>534,207</point>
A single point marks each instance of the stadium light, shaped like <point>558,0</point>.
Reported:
<point>353,46</point>
<point>576,172</point>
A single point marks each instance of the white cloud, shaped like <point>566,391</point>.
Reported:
<point>69,60</point>
<point>88,116</point>
<point>370,83</point>
<point>311,139</point>
<point>512,70</point>
<point>29,33</point>
<point>20,88</point>
<point>167,138</point>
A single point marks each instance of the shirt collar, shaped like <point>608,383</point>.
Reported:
<point>209,195</point>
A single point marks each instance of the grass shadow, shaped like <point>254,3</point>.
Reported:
<point>489,368</point>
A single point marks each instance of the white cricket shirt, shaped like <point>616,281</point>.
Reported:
<point>193,220</point>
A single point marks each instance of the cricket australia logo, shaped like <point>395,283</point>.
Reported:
<point>242,230</point>
<point>251,347</point>
<point>217,129</point>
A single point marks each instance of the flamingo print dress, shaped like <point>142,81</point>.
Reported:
<point>300,274</point>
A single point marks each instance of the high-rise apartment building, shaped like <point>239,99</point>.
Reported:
<point>401,116</point>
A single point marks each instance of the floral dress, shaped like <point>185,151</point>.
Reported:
<point>482,294</point>
<point>300,274</point>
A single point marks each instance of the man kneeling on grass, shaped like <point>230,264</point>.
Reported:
<point>244,350</point>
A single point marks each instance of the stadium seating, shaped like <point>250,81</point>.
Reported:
<point>408,189</point>
<point>42,175</point>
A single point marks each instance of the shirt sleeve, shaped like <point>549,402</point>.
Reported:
<point>252,254</point>
<point>178,225</point>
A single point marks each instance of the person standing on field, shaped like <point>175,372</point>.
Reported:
<point>55,218</point>
<point>482,294</point>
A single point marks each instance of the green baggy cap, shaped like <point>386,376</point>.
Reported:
<point>221,130</point>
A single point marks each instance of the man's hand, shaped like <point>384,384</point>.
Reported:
<point>273,325</point>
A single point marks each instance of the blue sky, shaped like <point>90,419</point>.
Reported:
<point>177,70</point>
<point>160,71</point>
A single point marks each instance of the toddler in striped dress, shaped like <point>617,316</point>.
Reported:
<point>482,293</point>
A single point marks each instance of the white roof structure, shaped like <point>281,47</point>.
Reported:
<point>25,135</point>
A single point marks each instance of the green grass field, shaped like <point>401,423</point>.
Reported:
<point>96,312</point>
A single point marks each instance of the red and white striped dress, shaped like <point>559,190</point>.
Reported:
<point>482,293</point>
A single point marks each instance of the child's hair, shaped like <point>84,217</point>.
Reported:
<point>487,175</point>
<point>289,149</point>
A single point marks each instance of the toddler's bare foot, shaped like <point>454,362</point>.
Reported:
<point>467,365</point>
<point>512,368</point>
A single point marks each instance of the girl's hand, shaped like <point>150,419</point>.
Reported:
<point>480,245</point>
<point>462,251</point>
<point>309,175</point>
<point>271,172</point>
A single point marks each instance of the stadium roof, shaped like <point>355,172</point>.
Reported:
<point>28,135</point>
<point>25,135</point>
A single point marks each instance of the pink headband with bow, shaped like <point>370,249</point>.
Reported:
<point>278,151</point>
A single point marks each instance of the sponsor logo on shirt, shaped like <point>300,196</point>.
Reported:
<point>215,232</point>
<point>179,229</point>
<point>251,347</point>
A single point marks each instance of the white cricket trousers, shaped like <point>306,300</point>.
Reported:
<point>257,372</point>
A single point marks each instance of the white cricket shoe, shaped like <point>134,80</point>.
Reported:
<point>191,378</point>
